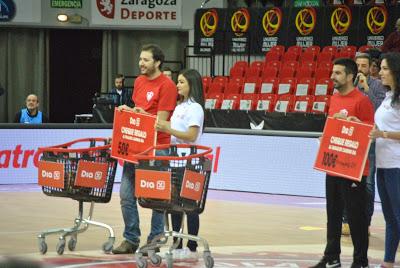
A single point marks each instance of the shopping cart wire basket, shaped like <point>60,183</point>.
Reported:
<point>83,174</point>
<point>173,183</point>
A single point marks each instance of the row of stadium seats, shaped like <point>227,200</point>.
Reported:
<point>268,103</point>
<point>295,62</point>
<point>268,85</point>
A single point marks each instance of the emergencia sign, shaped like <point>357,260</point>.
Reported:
<point>66,3</point>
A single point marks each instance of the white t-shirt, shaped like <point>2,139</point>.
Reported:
<point>387,118</point>
<point>187,114</point>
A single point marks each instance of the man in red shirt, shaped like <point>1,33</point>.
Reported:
<point>154,93</point>
<point>392,42</point>
<point>351,104</point>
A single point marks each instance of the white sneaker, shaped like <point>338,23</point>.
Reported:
<point>190,255</point>
<point>177,254</point>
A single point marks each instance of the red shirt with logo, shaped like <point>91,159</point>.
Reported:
<point>155,95</point>
<point>355,104</point>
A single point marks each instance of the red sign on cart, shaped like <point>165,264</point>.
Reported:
<point>344,148</point>
<point>51,174</point>
<point>90,174</point>
<point>133,133</point>
<point>153,184</point>
<point>192,185</point>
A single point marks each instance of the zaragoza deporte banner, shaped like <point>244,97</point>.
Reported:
<point>246,30</point>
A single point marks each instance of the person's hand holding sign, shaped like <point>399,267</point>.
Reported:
<point>124,108</point>
<point>162,125</point>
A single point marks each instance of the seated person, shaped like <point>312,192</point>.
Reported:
<point>121,95</point>
<point>31,114</point>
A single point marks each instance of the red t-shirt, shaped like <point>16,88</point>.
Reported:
<point>355,104</point>
<point>155,95</point>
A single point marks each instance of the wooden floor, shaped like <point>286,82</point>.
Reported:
<point>266,224</point>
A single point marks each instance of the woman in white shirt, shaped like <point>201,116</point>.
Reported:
<point>186,126</point>
<point>387,135</point>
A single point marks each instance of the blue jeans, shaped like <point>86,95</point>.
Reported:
<point>370,186</point>
<point>388,181</point>
<point>129,207</point>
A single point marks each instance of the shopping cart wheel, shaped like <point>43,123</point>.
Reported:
<point>72,243</point>
<point>141,262</point>
<point>155,259</point>
<point>42,246</point>
<point>60,247</point>
<point>108,246</point>
<point>169,260</point>
<point>208,259</point>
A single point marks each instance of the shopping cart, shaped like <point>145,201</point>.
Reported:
<point>177,182</point>
<point>83,174</point>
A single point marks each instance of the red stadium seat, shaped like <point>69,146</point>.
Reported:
<point>284,104</point>
<point>314,49</point>
<point>351,49</point>
<point>308,56</point>
<point>303,104</point>
<point>269,85</point>
<point>309,64</point>
<point>206,83</point>
<point>295,49</point>
<point>325,64</point>
<point>251,85</point>
<point>320,104</point>
<point>278,49</point>
<point>266,102</point>
<point>305,86</point>
<point>223,80</point>
<point>213,101</point>
<point>258,64</point>
<point>242,64</point>
<point>364,48</point>
<point>290,56</point>
<point>304,71</point>
<point>216,88</point>
<point>272,56</point>
<point>291,63</point>
<point>345,54</point>
<point>254,71</point>
<point>287,71</point>
<point>230,102</point>
<point>325,56</point>
<point>248,102</point>
<point>331,49</point>
<point>237,71</point>
<point>234,86</point>
<point>275,63</point>
<point>322,73</point>
<point>269,71</point>
<point>323,86</point>
<point>286,86</point>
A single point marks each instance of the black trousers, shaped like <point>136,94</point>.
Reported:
<point>193,224</point>
<point>341,192</point>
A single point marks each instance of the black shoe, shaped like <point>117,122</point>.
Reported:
<point>125,248</point>
<point>324,263</point>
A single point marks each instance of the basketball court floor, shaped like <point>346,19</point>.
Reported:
<point>243,230</point>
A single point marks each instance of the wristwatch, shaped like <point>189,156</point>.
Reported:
<point>385,134</point>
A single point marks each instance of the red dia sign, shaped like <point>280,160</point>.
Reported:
<point>133,133</point>
<point>344,148</point>
<point>153,184</point>
<point>91,174</point>
<point>51,174</point>
<point>192,185</point>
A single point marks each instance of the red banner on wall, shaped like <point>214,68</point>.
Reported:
<point>344,148</point>
<point>133,133</point>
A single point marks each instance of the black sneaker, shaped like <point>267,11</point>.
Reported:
<point>125,248</point>
<point>324,263</point>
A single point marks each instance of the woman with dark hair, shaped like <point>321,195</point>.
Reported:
<point>186,126</point>
<point>387,135</point>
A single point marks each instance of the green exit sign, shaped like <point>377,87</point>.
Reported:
<point>66,3</point>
